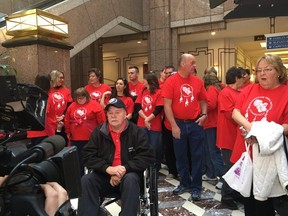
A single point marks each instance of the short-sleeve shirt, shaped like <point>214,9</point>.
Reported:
<point>186,93</point>
<point>148,103</point>
<point>97,92</point>
<point>255,104</point>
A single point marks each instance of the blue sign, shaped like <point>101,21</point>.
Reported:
<point>277,42</point>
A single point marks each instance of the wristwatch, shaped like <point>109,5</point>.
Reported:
<point>203,114</point>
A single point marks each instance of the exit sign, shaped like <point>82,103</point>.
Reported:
<point>277,41</point>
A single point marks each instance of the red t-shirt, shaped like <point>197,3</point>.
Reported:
<point>128,101</point>
<point>226,126</point>
<point>58,98</point>
<point>81,120</point>
<point>256,104</point>
<point>148,103</point>
<point>135,90</point>
<point>186,93</point>
<point>96,92</point>
<point>212,102</point>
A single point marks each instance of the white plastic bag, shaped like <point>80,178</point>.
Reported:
<point>239,176</point>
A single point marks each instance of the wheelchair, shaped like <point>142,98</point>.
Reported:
<point>148,200</point>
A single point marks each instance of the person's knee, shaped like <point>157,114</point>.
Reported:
<point>131,178</point>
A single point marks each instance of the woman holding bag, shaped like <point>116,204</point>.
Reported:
<point>261,110</point>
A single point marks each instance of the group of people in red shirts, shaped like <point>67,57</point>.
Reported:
<point>180,112</point>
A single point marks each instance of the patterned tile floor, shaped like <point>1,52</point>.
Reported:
<point>170,205</point>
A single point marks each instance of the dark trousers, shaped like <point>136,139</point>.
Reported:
<point>254,207</point>
<point>96,185</point>
<point>167,140</point>
<point>80,145</point>
<point>227,192</point>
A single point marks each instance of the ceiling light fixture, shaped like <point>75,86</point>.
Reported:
<point>139,42</point>
<point>213,33</point>
<point>35,24</point>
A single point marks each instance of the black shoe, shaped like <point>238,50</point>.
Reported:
<point>102,212</point>
<point>180,190</point>
<point>195,196</point>
<point>230,204</point>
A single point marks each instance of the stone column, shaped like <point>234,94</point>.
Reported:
<point>160,39</point>
<point>33,59</point>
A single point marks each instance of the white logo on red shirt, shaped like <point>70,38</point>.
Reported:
<point>186,92</point>
<point>147,103</point>
<point>259,108</point>
<point>96,95</point>
<point>80,114</point>
<point>133,93</point>
<point>58,99</point>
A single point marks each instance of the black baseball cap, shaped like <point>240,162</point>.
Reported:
<point>116,102</point>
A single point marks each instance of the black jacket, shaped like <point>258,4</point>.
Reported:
<point>136,153</point>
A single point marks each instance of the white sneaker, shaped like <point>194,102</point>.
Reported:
<point>206,178</point>
<point>219,185</point>
<point>170,177</point>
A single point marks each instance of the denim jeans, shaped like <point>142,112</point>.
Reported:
<point>154,138</point>
<point>213,158</point>
<point>189,149</point>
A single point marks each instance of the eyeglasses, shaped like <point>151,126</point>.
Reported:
<point>265,70</point>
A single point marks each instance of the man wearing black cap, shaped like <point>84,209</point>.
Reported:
<point>117,153</point>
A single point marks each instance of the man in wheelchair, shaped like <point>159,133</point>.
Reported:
<point>117,153</point>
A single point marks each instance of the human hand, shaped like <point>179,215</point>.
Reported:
<point>251,140</point>
<point>115,180</point>
<point>147,124</point>
<point>116,170</point>
<point>200,121</point>
<point>176,132</point>
<point>2,179</point>
<point>55,195</point>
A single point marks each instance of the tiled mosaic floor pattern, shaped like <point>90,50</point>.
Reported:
<point>170,205</point>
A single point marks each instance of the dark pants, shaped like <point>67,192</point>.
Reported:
<point>96,185</point>
<point>167,140</point>
<point>213,157</point>
<point>254,207</point>
<point>80,145</point>
<point>227,192</point>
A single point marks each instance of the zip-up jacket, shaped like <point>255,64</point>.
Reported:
<point>136,153</point>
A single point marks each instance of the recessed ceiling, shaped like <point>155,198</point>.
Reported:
<point>242,32</point>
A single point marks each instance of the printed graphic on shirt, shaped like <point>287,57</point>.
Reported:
<point>58,99</point>
<point>133,93</point>
<point>147,103</point>
<point>186,94</point>
<point>96,95</point>
<point>80,114</point>
<point>259,108</point>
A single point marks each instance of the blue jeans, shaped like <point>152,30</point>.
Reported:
<point>189,152</point>
<point>213,157</point>
<point>154,138</point>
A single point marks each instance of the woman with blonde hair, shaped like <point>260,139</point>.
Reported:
<point>59,100</point>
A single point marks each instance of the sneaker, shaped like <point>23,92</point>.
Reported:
<point>206,178</point>
<point>219,185</point>
<point>180,190</point>
<point>230,204</point>
<point>170,177</point>
<point>195,196</point>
